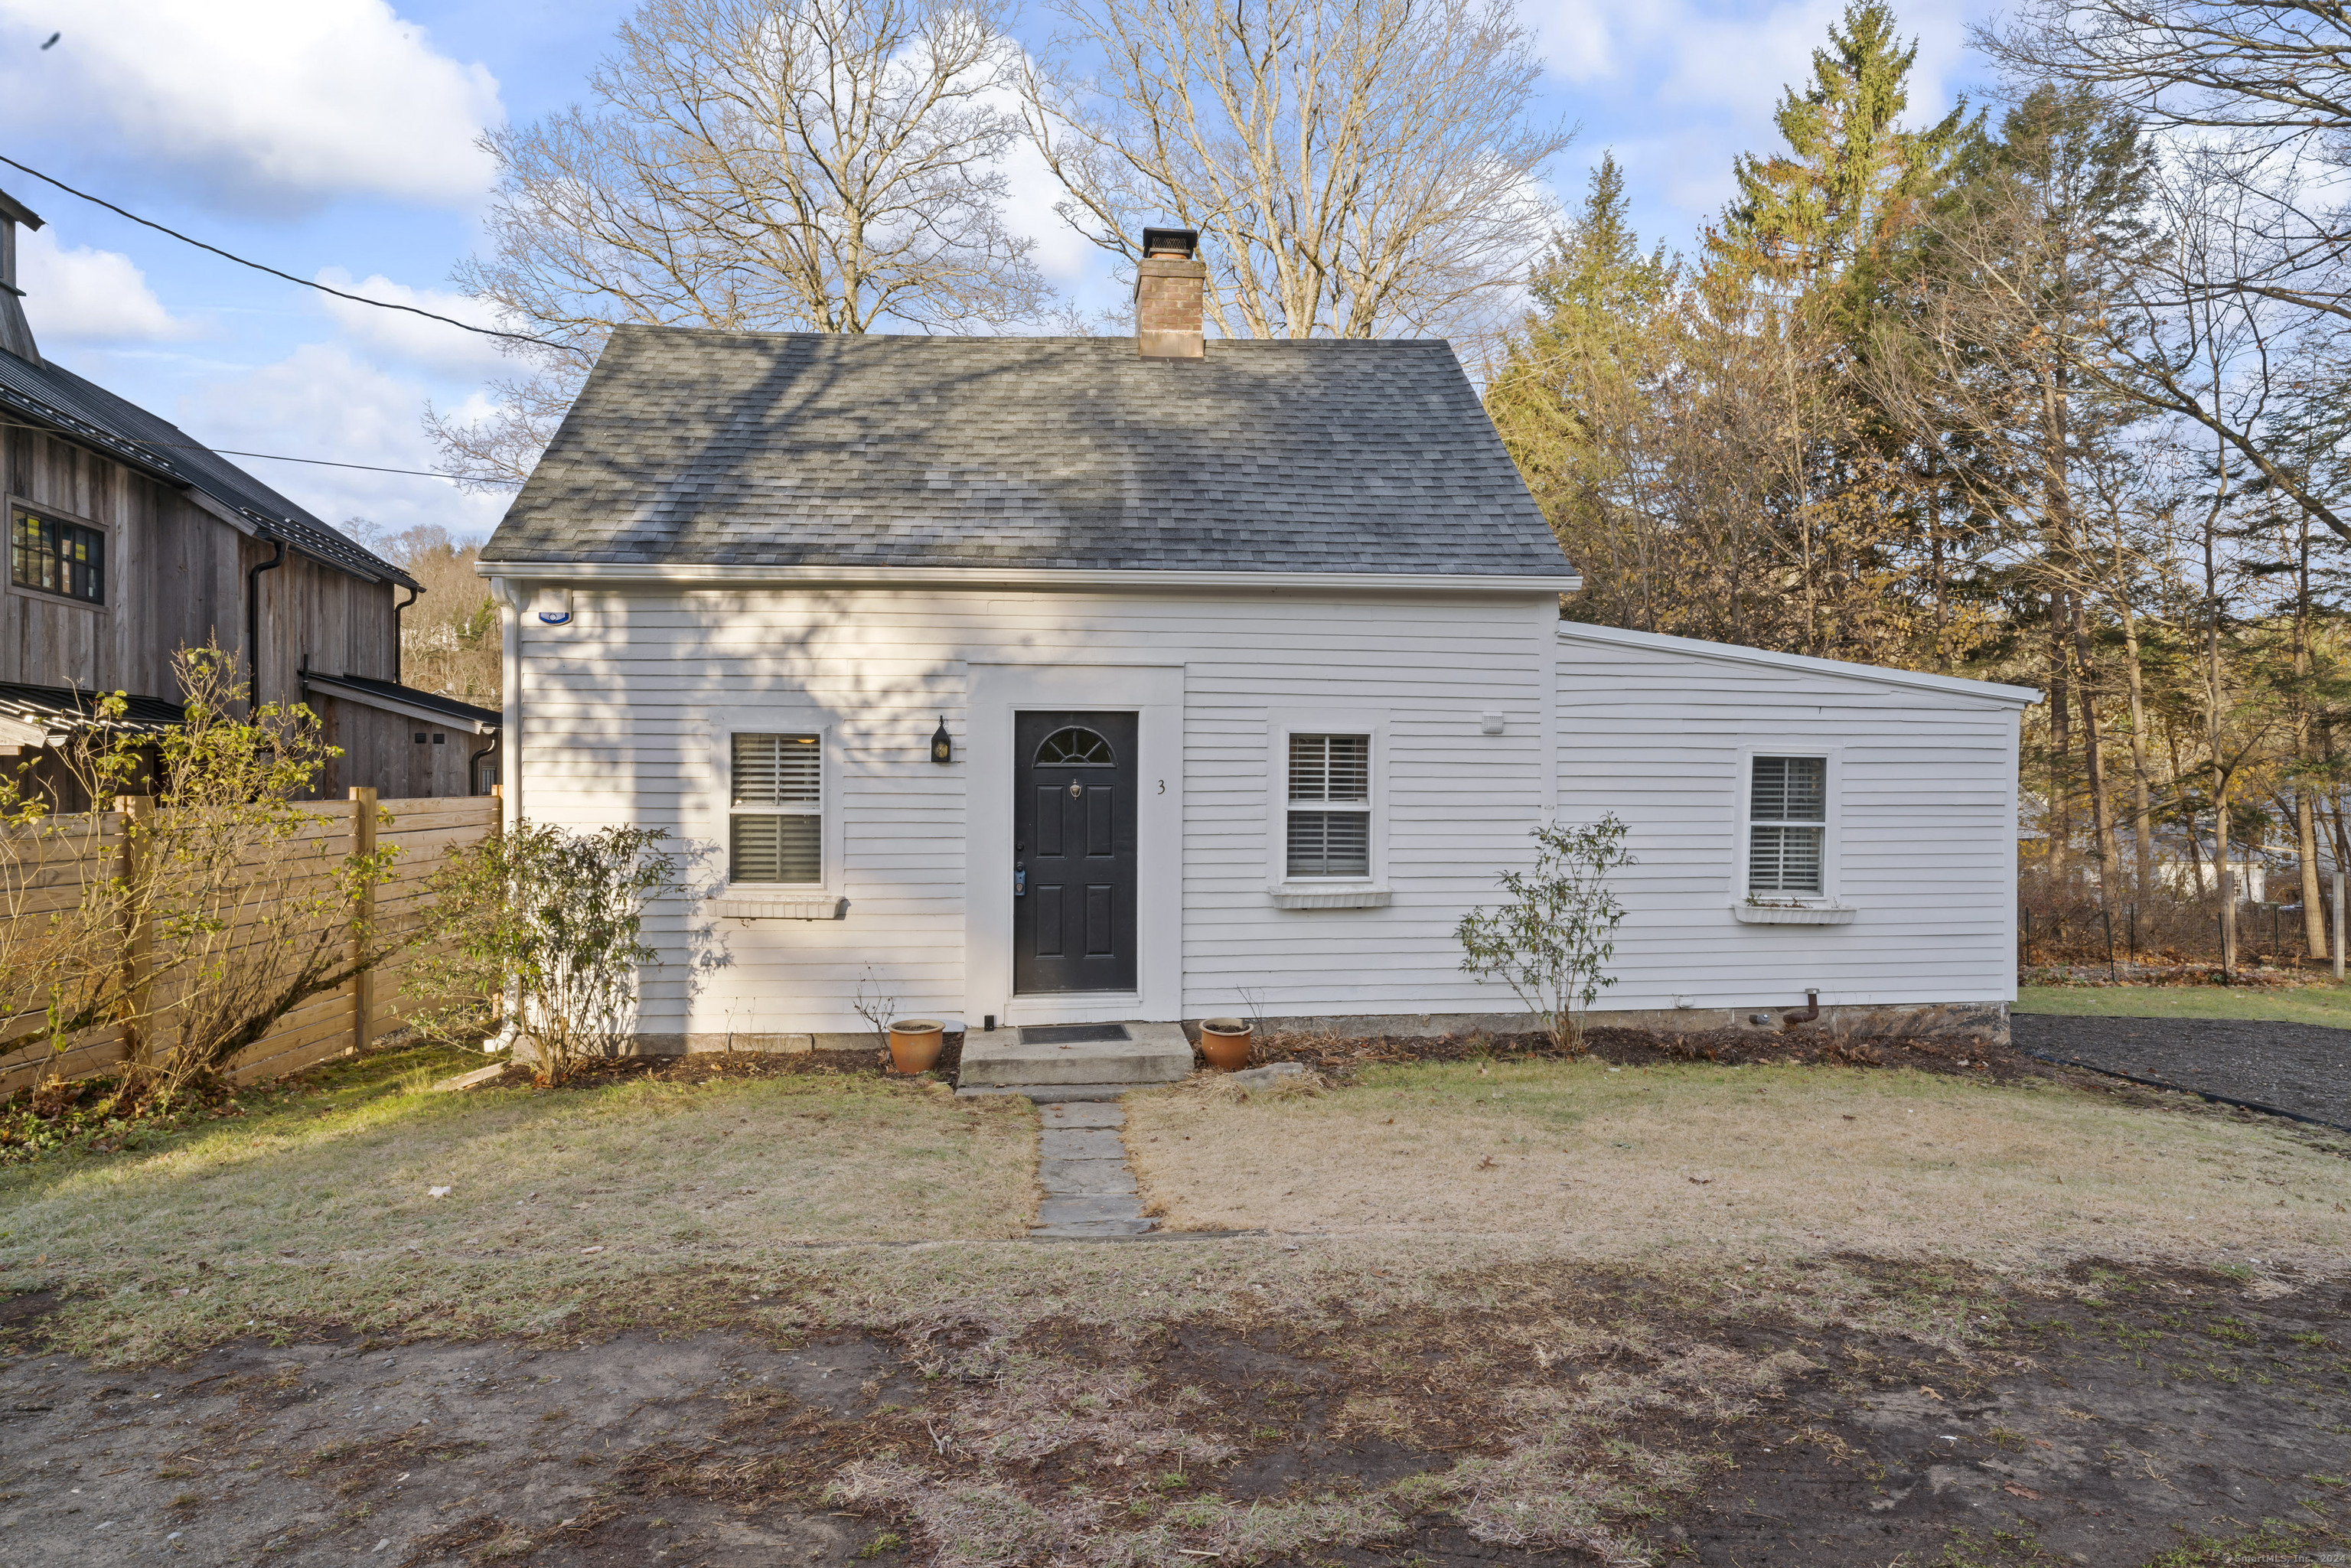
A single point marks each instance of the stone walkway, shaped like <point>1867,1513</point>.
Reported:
<point>1089,1191</point>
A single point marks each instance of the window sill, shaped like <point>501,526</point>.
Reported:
<point>1792,914</point>
<point>780,906</point>
<point>1306,895</point>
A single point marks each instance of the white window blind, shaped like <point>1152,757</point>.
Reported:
<point>777,801</point>
<point>1330,776</point>
<point>1787,823</point>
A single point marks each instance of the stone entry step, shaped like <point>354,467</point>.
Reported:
<point>1049,1094</point>
<point>1033,1058</point>
<point>1089,1193</point>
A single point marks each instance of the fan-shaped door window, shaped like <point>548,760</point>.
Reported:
<point>1075,748</point>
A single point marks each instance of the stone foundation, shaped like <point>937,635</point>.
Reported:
<point>1983,1021</point>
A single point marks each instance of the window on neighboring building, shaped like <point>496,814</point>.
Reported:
<point>778,832</point>
<point>1787,823</point>
<point>1330,805</point>
<point>64,558</point>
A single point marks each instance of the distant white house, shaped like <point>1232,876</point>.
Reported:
<point>2251,877</point>
<point>1073,680</point>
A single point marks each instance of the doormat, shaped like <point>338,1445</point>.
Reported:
<point>1074,1034</point>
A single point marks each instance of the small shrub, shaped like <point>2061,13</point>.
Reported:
<point>1549,943</point>
<point>549,920</point>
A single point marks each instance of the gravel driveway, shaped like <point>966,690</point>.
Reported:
<point>2301,1069</point>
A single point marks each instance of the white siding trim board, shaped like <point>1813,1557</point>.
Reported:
<point>1731,653</point>
<point>1115,579</point>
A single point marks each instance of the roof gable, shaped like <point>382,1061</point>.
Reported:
<point>84,412</point>
<point>696,448</point>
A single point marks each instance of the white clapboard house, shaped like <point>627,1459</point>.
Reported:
<point>1036,680</point>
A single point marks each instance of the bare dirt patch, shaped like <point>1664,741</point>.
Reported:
<point>1846,1412</point>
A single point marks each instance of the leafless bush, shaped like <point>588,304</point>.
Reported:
<point>2063,921</point>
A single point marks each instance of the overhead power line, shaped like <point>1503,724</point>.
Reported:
<point>231,452</point>
<point>305,282</point>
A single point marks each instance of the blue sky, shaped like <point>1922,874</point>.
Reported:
<point>333,139</point>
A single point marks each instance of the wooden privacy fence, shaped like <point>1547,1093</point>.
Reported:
<point>420,832</point>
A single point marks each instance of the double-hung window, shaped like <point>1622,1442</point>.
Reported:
<point>776,832</point>
<point>1329,827</point>
<point>63,559</point>
<point>1787,827</point>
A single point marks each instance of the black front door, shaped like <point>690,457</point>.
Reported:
<point>1073,852</point>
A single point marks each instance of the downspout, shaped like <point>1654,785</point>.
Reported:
<point>253,622</point>
<point>488,753</point>
<point>509,605</point>
<point>397,611</point>
<point>509,602</point>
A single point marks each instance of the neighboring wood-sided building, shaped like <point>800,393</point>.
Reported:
<point>130,540</point>
<point>1053,681</point>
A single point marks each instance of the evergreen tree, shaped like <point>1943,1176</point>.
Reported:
<point>1825,219</point>
<point>1576,376</point>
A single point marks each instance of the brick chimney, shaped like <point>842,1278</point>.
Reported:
<point>1168,284</point>
<point>16,332</point>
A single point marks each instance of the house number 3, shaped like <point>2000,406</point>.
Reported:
<point>1162,786</point>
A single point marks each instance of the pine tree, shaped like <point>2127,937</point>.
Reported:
<point>1574,380</point>
<point>1825,219</point>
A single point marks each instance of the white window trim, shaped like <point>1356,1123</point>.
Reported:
<point>828,900</point>
<point>1826,908</point>
<point>1287,892</point>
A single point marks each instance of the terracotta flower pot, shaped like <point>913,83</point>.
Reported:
<point>914,1044</point>
<point>1225,1042</point>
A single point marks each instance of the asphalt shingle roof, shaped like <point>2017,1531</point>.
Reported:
<point>53,396</point>
<point>690,447</point>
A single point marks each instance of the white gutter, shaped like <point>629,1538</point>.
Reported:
<point>1134,579</point>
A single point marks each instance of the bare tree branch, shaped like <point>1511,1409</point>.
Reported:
<point>1355,168</point>
<point>753,165</point>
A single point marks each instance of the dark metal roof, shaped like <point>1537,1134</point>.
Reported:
<point>49,395</point>
<point>65,709</point>
<point>396,698</point>
<point>705,448</point>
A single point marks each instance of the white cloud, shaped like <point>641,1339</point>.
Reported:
<point>1582,40</point>
<point>85,296</point>
<point>402,338</point>
<point>1063,254</point>
<point>322,402</point>
<point>270,103</point>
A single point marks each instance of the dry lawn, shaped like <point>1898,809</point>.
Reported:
<point>322,1210</point>
<point>1637,1163</point>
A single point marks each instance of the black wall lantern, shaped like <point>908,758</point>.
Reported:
<point>941,743</point>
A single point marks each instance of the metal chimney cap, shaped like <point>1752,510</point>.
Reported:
<point>1181,243</point>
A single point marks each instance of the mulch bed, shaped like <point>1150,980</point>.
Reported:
<point>713,1067</point>
<point>2301,1069</point>
<point>1642,1048</point>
